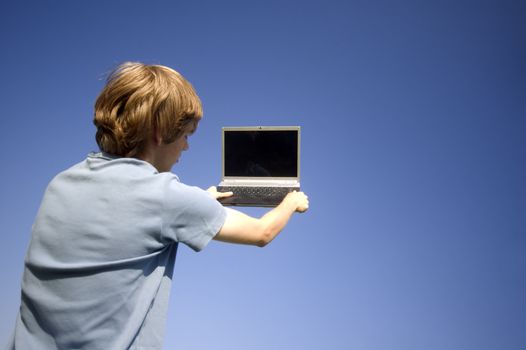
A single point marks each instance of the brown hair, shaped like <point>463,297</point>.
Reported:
<point>139,99</point>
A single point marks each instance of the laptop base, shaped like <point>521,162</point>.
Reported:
<point>252,196</point>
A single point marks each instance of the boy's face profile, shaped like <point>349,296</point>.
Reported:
<point>166,155</point>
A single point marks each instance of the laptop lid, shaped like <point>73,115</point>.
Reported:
<point>269,155</point>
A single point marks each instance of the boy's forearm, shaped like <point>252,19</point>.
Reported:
<point>244,229</point>
<point>275,220</point>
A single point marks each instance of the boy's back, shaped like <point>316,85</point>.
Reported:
<point>98,270</point>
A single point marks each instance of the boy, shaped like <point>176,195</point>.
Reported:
<point>99,265</point>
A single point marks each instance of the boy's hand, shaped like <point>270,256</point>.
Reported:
<point>217,195</point>
<point>300,201</point>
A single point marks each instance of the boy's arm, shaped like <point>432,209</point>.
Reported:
<point>244,229</point>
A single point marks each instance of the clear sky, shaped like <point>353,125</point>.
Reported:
<point>413,117</point>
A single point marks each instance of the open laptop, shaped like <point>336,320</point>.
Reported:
<point>260,164</point>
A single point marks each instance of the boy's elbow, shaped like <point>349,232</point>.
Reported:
<point>265,237</point>
<point>261,243</point>
<point>263,240</point>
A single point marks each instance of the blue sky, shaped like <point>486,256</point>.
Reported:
<point>413,119</point>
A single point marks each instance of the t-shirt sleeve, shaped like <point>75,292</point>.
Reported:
<point>191,215</point>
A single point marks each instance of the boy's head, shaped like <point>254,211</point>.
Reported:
<point>140,101</point>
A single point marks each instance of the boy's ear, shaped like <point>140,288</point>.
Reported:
<point>157,137</point>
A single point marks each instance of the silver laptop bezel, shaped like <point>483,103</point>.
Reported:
<point>251,180</point>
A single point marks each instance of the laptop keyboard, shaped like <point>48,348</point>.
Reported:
<point>252,195</point>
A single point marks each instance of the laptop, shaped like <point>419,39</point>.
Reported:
<point>260,165</point>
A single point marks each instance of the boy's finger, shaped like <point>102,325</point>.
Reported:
<point>225,194</point>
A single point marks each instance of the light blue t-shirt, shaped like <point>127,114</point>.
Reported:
<point>99,266</point>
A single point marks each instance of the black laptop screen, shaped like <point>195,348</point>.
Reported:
<point>261,153</point>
